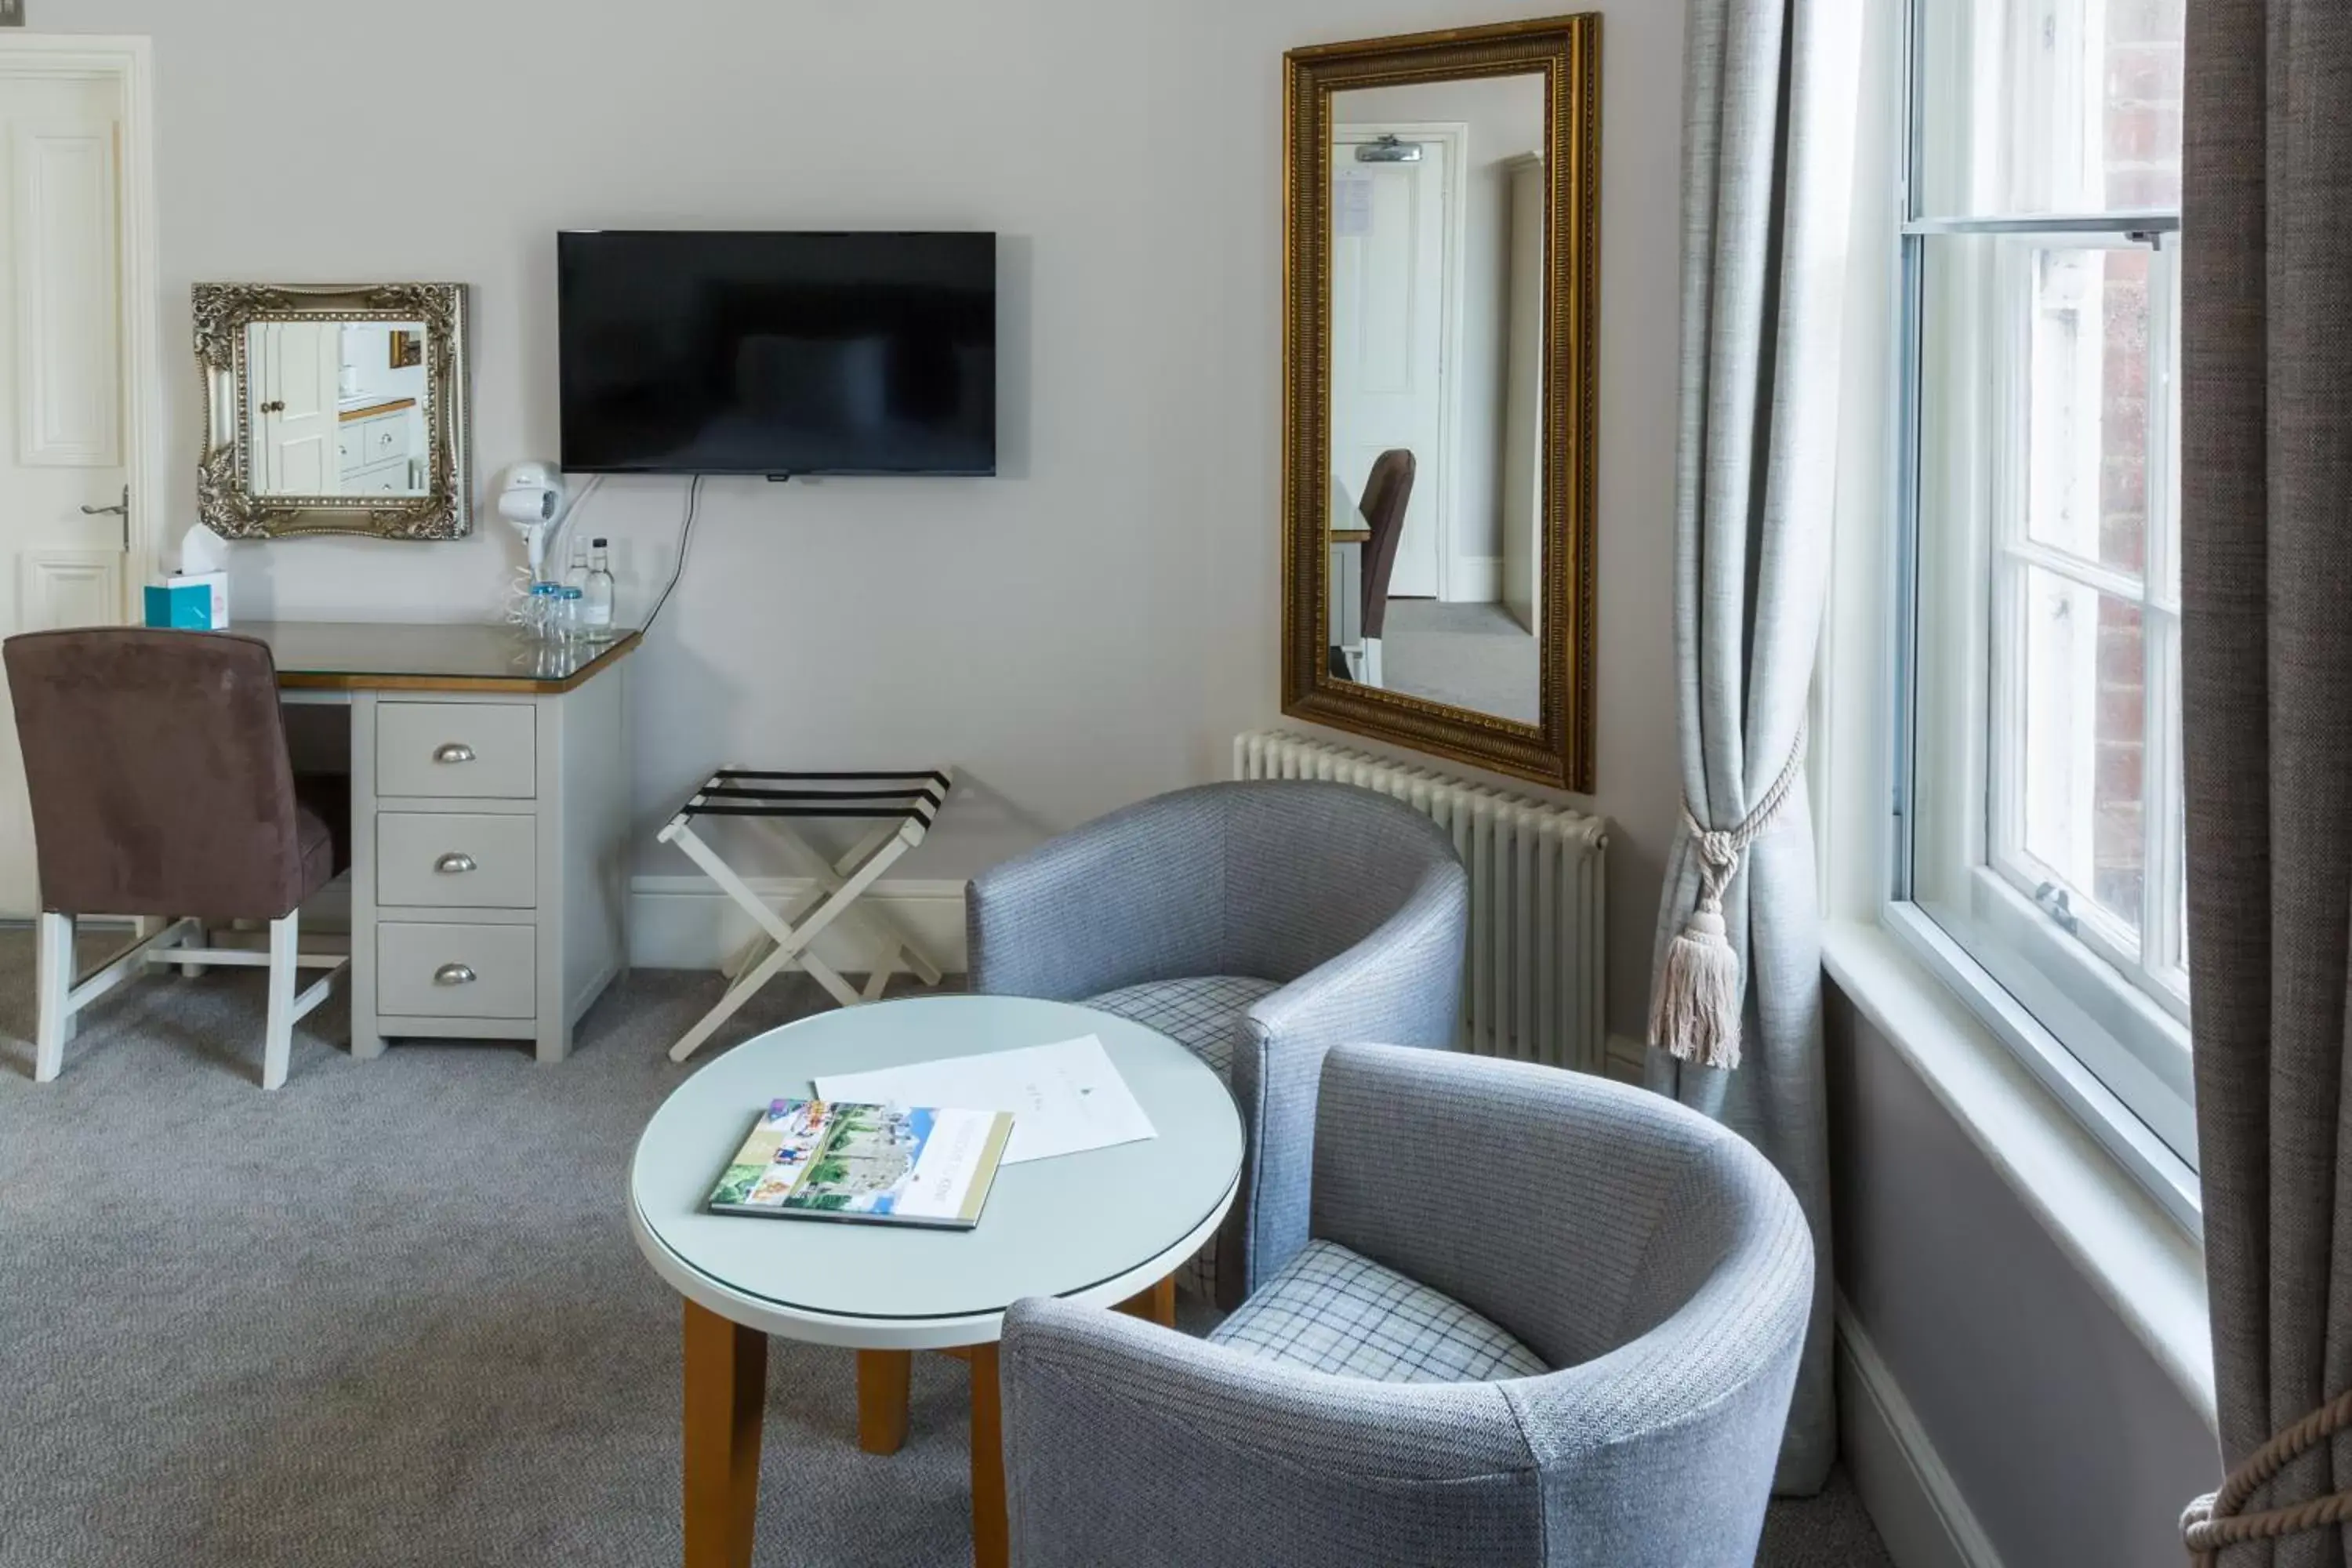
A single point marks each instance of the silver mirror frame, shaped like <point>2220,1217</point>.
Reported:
<point>226,502</point>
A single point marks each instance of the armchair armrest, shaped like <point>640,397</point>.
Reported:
<point>1401,986</point>
<point>1128,1443</point>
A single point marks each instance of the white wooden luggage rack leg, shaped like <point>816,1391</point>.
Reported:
<point>904,805</point>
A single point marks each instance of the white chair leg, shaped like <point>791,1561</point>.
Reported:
<point>55,984</point>
<point>278,1045</point>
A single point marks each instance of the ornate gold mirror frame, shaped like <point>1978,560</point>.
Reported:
<point>226,499</point>
<point>1558,749</point>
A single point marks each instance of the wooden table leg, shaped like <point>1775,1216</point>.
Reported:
<point>991,1530</point>
<point>726,1396</point>
<point>1157,1305</point>
<point>882,1396</point>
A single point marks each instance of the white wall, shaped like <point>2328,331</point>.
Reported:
<point>367,349</point>
<point>1502,119</point>
<point>1086,629</point>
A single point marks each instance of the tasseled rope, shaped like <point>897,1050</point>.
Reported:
<point>1694,1013</point>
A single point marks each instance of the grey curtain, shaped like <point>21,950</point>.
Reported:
<point>1767,168</point>
<point>2266,575</point>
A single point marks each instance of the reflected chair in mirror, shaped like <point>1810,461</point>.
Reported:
<point>162,789</point>
<point>1387,493</point>
<point>1540,1321</point>
<point>1257,925</point>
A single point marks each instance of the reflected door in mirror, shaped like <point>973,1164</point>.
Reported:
<point>295,365</point>
<point>1430,264</point>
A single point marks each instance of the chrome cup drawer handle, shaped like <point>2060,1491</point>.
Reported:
<point>454,862</point>
<point>453,974</point>
<point>453,751</point>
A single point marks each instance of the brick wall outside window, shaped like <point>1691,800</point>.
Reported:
<point>2143,171</point>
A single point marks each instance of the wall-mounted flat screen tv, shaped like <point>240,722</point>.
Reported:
<point>777,354</point>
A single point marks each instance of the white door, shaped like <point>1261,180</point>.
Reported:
<point>62,404</point>
<point>296,379</point>
<point>1387,335</point>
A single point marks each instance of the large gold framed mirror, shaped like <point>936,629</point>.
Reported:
<point>1442,248</point>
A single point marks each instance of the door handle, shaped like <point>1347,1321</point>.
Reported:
<point>453,751</point>
<point>453,974</point>
<point>455,861</point>
<point>276,406</point>
<point>121,509</point>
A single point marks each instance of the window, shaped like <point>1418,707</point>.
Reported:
<point>2041,831</point>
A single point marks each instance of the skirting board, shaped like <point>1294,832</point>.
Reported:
<point>1911,1498</point>
<point>684,922</point>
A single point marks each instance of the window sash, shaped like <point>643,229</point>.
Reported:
<point>2151,955</point>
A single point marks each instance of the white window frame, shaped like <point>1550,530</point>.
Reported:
<point>2099,1018</point>
<point>2154,958</point>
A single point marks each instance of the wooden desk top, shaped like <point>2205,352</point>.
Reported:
<point>370,655</point>
<point>370,410</point>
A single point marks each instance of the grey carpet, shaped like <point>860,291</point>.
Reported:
<point>392,1314</point>
<point>1472,656</point>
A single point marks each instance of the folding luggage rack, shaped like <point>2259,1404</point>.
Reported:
<point>902,804</point>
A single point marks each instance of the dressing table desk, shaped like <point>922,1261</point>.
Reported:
<point>490,823</point>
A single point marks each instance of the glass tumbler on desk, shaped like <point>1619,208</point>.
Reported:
<point>540,612</point>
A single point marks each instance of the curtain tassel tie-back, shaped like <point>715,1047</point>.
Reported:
<point>1695,1015</point>
<point>2214,1521</point>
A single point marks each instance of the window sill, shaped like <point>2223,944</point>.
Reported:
<point>2135,1253</point>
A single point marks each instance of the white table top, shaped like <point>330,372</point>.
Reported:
<point>1094,1228</point>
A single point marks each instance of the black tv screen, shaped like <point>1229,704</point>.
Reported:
<point>778,354</point>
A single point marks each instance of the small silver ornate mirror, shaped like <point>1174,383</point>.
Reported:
<point>334,410</point>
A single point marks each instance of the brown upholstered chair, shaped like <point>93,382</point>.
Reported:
<point>1387,493</point>
<point>160,786</point>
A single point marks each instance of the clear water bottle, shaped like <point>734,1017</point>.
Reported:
<point>576,574</point>
<point>571,617</point>
<point>596,612</point>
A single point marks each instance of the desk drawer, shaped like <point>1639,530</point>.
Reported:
<point>457,971</point>
<point>481,750</point>
<point>446,859</point>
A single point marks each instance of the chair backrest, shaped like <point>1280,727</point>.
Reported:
<point>1386,495</point>
<point>158,772</point>
<point>1311,868</point>
<point>1579,1213</point>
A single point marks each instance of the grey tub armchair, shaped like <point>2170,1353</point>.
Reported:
<point>1259,924</point>
<point>1385,1398</point>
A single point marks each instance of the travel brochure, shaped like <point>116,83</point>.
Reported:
<point>884,1165</point>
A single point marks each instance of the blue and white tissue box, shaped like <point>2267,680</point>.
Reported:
<point>189,601</point>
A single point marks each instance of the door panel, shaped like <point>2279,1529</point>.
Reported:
<point>68,307</point>
<point>296,433</point>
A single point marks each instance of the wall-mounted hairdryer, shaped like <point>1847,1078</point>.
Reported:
<point>532,497</point>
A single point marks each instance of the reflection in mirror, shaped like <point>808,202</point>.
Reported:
<point>338,408</point>
<point>1436,307</point>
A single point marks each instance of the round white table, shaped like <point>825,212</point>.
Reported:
<point>1108,1226</point>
